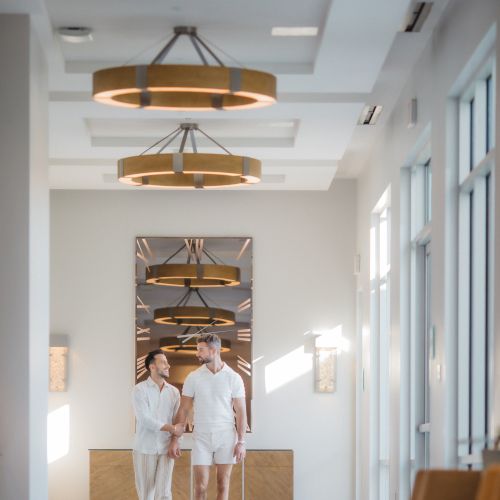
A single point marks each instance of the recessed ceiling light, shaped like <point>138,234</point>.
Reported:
<point>294,31</point>
<point>75,34</point>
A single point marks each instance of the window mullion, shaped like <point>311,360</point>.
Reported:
<point>463,324</point>
<point>478,262</point>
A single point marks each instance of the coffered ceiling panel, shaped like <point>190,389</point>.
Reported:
<point>324,81</point>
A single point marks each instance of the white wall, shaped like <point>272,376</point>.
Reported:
<point>24,247</point>
<point>432,81</point>
<point>303,279</point>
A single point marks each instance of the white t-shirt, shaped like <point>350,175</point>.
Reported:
<point>213,395</point>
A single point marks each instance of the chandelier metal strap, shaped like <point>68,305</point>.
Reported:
<point>192,33</point>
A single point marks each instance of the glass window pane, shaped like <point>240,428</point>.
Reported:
<point>428,192</point>
<point>471,134</point>
<point>490,114</point>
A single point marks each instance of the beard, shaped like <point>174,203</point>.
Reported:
<point>203,361</point>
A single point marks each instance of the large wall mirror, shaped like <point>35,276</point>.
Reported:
<point>189,286</point>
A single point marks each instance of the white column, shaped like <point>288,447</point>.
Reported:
<point>24,262</point>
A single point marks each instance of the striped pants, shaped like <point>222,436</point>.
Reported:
<point>153,476</point>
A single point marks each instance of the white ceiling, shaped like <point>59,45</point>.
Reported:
<point>323,82</point>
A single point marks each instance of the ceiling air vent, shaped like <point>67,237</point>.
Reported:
<point>416,16</point>
<point>370,115</point>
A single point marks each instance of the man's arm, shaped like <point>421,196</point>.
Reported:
<point>180,419</point>
<point>240,409</point>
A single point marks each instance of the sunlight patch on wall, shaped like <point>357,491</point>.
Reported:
<point>58,434</point>
<point>287,368</point>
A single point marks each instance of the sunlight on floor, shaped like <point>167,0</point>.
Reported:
<point>58,434</point>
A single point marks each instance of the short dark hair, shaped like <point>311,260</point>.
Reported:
<point>210,339</point>
<point>150,358</point>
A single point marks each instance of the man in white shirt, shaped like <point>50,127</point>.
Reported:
<point>155,404</point>
<point>215,390</point>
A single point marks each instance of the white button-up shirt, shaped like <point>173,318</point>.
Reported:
<point>153,409</point>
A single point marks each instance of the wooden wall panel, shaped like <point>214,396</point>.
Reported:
<point>181,481</point>
<point>235,490</point>
<point>267,474</point>
<point>111,475</point>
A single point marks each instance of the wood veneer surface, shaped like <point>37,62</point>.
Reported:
<point>267,475</point>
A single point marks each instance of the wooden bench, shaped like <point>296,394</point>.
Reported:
<point>457,485</point>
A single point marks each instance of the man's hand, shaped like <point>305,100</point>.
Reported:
<point>174,450</point>
<point>178,429</point>
<point>239,452</point>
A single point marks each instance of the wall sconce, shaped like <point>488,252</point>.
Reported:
<point>325,367</point>
<point>58,363</point>
<point>327,345</point>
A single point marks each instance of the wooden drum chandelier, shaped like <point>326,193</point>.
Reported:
<point>188,170</point>
<point>184,87</point>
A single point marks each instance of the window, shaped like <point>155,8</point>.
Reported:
<point>421,331</point>
<point>380,238</point>
<point>476,197</point>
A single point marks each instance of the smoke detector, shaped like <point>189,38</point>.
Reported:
<point>75,34</point>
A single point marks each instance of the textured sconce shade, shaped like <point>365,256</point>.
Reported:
<point>58,360</point>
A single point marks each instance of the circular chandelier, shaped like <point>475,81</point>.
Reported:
<point>195,275</point>
<point>172,344</point>
<point>182,314</point>
<point>188,170</point>
<point>194,316</point>
<point>184,87</point>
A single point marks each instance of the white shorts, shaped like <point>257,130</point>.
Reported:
<point>215,447</point>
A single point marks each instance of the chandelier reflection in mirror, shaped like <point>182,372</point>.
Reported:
<point>189,286</point>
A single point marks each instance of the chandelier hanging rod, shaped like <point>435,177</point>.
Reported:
<point>197,42</point>
<point>187,130</point>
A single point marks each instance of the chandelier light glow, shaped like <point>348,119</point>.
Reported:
<point>184,87</point>
<point>188,170</point>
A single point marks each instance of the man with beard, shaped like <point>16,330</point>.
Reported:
<point>215,390</point>
<point>155,404</point>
